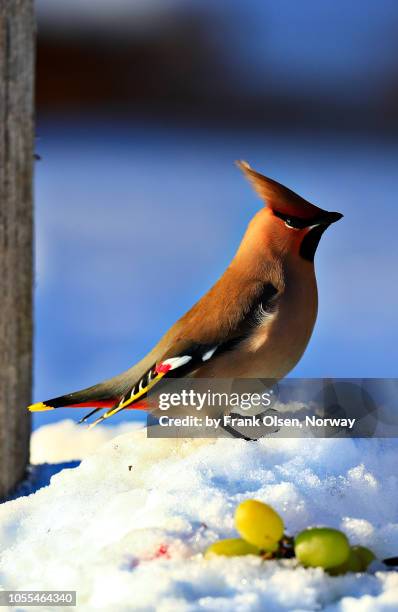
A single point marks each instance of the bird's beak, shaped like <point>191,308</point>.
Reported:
<point>329,217</point>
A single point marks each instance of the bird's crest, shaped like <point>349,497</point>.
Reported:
<point>278,197</point>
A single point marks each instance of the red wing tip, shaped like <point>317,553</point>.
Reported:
<point>162,368</point>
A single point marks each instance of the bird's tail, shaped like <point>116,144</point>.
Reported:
<point>116,394</point>
<point>92,397</point>
<point>85,398</point>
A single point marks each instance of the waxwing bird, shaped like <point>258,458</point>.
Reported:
<point>255,322</point>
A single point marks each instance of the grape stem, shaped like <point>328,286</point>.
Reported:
<point>284,551</point>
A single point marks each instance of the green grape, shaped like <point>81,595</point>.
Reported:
<point>365,555</point>
<point>259,524</point>
<point>233,547</point>
<point>321,547</point>
<point>352,564</point>
<point>358,561</point>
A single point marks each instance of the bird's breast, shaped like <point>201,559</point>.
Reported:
<point>278,343</point>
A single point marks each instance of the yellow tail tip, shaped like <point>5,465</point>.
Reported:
<point>39,407</point>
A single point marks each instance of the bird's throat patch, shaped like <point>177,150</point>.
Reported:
<point>310,242</point>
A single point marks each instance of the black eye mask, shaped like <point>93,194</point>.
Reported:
<point>294,222</point>
<point>310,242</point>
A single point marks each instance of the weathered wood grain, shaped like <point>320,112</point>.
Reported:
<point>17,34</point>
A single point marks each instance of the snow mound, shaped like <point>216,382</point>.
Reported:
<point>68,441</point>
<point>127,528</point>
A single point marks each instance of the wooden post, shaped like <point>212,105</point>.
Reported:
<point>17,34</point>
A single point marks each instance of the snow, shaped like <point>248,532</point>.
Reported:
<point>68,441</point>
<point>128,526</point>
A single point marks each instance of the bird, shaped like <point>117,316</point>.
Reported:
<point>254,322</point>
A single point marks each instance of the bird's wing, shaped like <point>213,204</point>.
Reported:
<point>187,353</point>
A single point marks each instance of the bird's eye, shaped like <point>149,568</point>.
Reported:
<point>291,222</point>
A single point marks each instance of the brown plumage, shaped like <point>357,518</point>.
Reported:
<point>255,321</point>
